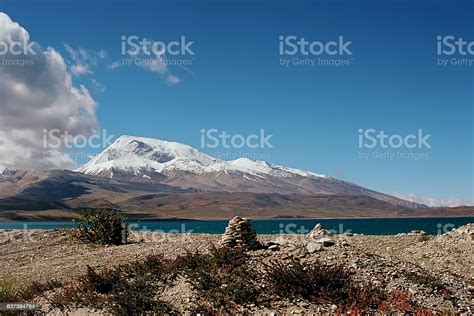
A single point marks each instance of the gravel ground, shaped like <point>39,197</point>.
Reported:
<point>42,255</point>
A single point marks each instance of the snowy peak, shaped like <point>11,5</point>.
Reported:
<point>263,167</point>
<point>133,154</point>
<point>252,166</point>
<point>138,155</point>
<point>156,150</point>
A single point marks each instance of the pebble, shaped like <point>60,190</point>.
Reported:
<point>327,242</point>
<point>274,247</point>
<point>313,247</point>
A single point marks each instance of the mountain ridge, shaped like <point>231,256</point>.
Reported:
<point>132,158</point>
<point>60,195</point>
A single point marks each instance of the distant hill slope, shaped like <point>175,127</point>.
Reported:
<point>57,194</point>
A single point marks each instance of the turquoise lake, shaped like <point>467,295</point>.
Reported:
<point>375,226</point>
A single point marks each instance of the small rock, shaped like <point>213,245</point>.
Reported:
<point>418,232</point>
<point>274,248</point>
<point>304,304</point>
<point>327,242</point>
<point>313,247</point>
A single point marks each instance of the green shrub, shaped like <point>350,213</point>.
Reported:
<point>8,288</point>
<point>14,291</point>
<point>102,226</point>
<point>36,289</point>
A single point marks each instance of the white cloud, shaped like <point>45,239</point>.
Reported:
<point>173,79</point>
<point>432,202</point>
<point>37,97</point>
<point>79,70</point>
<point>83,60</point>
<point>97,85</point>
<point>155,62</point>
<point>114,65</point>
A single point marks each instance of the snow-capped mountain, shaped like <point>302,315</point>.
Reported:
<point>140,156</point>
<point>141,159</point>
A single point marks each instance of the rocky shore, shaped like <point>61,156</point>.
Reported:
<point>436,271</point>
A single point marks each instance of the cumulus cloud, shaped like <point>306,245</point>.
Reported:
<point>433,202</point>
<point>35,97</point>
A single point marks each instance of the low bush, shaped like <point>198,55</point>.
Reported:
<point>424,238</point>
<point>36,289</point>
<point>13,291</point>
<point>102,226</point>
<point>315,282</point>
<point>222,279</point>
<point>332,284</point>
<point>428,280</point>
<point>8,288</point>
<point>137,297</point>
<point>399,300</point>
<point>128,289</point>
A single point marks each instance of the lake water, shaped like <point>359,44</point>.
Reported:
<point>376,226</point>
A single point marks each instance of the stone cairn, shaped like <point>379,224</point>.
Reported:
<point>318,231</point>
<point>239,232</point>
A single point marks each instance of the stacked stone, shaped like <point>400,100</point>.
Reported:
<point>240,233</point>
<point>319,231</point>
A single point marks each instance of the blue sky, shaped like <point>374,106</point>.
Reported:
<point>236,84</point>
